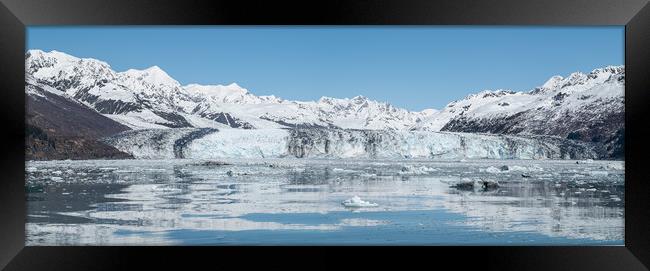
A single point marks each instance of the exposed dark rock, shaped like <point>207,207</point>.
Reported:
<point>484,185</point>
<point>176,120</point>
<point>299,125</point>
<point>488,185</point>
<point>60,128</point>
<point>227,119</point>
<point>40,146</point>
<point>106,106</point>
<point>467,185</point>
<point>591,125</point>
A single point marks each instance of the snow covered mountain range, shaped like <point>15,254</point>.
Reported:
<point>584,107</point>
<point>150,98</point>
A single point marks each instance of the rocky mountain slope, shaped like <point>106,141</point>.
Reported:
<point>60,128</point>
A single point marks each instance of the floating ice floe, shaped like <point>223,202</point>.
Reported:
<point>587,161</point>
<point>614,198</point>
<point>504,169</point>
<point>359,222</point>
<point>417,169</point>
<point>357,202</point>
<point>616,166</point>
<point>367,175</point>
<point>599,173</point>
<point>492,170</point>
<point>341,170</point>
<point>525,169</point>
<point>56,179</point>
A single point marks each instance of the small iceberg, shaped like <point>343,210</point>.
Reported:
<point>357,202</point>
<point>599,173</point>
<point>417,170</point>
<point>56,179</point>
<point>492,170</point>
<point>616,166</point>
<point>526,169</point>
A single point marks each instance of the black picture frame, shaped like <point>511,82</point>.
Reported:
<point>15,15</point>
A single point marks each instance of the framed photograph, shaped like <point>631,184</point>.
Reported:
<point>499,135</point>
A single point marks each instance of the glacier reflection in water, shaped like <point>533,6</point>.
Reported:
<point>298,201</point>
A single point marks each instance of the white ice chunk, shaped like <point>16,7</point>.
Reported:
<point>357,202</point>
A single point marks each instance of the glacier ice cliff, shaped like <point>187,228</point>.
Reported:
<point>207,143</point>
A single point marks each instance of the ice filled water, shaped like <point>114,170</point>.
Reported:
<point>320,201</point>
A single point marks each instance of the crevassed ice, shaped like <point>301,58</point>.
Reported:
<point>335,143</point>
<point>257,143</point>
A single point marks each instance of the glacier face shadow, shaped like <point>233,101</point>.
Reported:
<point>299,201</point>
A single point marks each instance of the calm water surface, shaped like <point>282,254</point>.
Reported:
<point>294,201</point>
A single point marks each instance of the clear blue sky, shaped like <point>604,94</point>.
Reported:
<point>411,67</point>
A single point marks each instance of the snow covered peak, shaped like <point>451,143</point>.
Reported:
<point>326,100</point>
<point>553,83</point>
<point>429,112</point>
<point>231,93</point>
<point>489,94</point>
<point>216,90</point>
<point>153,76</point>
<point>578,81</point>
<point>575,78</point>
<point>54,56</point>
<point>37,59</point>
<point>154,69</point>
<point>236,86</point>
<point>610,70</point>
<point>60,70</point>
<point>557,96</point>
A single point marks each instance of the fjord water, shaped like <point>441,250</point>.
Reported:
<point>299,202</point>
